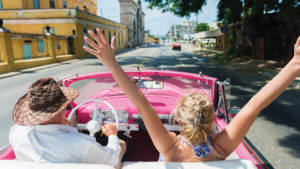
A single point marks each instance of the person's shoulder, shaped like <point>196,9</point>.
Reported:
<point>18,132</point>
<point>19,129</point>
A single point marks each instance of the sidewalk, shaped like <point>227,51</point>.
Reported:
<point>266,68</point>
<point>14,73</point>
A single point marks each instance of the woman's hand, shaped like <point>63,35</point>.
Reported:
<point>101,48</point>
<point>296,58</point>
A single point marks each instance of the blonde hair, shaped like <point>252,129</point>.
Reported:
<point>196,113</point>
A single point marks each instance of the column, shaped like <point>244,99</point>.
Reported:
<point>51,45</point>
<point>76,46</point>
<point>7,49</point>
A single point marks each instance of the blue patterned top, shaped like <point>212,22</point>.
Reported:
<point>201,150</point>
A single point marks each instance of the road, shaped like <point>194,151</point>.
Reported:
<point>276,132</point>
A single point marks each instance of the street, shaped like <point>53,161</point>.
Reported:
<point>275,133</point>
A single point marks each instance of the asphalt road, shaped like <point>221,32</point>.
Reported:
<point>276,132</point>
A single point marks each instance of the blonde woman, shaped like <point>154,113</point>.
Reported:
<point>194,112</point>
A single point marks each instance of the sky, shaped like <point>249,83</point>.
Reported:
<point>157,22</point>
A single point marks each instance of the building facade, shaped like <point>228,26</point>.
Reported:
<point>85,5</point>
<point>132,15</point>
<point>27,22</point>
<point>67,21</point>
<point>184,29</point>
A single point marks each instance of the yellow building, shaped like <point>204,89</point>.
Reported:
<point>49,31</point>
<point>85,5</point>
<point>66,20</point>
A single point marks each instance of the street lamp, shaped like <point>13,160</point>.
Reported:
<point>47,29</point>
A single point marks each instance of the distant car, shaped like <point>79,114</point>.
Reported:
<point>176,46</point>
<point>156,40</point>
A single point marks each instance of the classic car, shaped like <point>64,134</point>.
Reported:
<point>176,46</point>
<point>101,100</point>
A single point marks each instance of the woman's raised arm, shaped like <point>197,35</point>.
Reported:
<point>232,135</point>
<point>162,139</point>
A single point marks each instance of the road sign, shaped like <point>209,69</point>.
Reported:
<point>223,29</point>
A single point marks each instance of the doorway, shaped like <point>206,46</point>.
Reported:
<point>27,51</point>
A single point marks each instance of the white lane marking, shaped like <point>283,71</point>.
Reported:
<point>162,67</point>
<point>198,59</point>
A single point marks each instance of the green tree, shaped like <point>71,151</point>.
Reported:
<point>229,11</point>
<point>261,25</point>
<point>183,8</point>
<point>266,26</point>
<point>201,27</point>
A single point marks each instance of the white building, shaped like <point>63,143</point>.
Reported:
<point>184,30</point>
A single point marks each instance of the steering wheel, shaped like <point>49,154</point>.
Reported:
<point>93,126</point>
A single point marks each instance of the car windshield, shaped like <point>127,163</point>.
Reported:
<point>150,85</point>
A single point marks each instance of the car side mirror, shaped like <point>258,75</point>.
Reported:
<point>233,112</point>
<point>223,104</point>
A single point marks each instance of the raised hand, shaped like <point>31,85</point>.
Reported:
<point>296,57</point>
<point>101,49</point>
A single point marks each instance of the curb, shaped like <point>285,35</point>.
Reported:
<point>10,74</point>
<point>15,73</point>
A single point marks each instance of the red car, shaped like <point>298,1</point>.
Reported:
<point>176,46</point>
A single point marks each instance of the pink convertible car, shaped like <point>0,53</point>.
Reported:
<point>101,100</point>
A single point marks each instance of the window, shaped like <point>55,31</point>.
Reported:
<point>119,38</point>
<point>122,38</point>
<point>115,37</point>
<point>65,5</point>
<point>1,4</point>
<point>85,33</point>
<point>109,37</point>
<point>36,4</point>
<point>85,9</point>
<point>52,3</point>
<point>41,47</point>
<point>53,31</point>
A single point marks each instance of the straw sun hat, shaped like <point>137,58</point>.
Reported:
<point>45,99</point>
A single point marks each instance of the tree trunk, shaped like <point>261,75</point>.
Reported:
<point>259,51</point>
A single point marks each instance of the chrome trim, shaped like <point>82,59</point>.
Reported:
<point>122,127</point>
<point>4,148</point>
<point>161,116</point>
<point>119,113</point>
